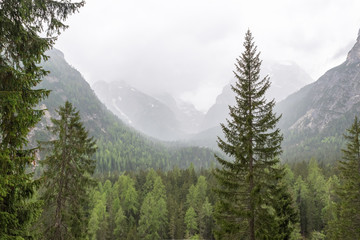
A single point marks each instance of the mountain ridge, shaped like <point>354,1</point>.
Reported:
<point>316,116</point>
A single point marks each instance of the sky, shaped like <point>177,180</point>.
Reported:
<point>188,48</point>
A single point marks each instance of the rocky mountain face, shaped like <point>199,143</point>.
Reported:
<point>320,112</point>
<point>285,77</point>
<point>333,97</point>
<point>66,83</point>
<point>161,117</point>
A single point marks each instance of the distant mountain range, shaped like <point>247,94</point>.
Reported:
<point>120,147</point>
<point>313,121</point>
<point>165,118</point>
<point>161,117</point>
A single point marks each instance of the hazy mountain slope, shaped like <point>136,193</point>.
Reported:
<point>160,116</point>
<point>315,117</point>
<point>285,77</point>
<point>139,110</point>
<point>187,115</point>
<point>120,147</point>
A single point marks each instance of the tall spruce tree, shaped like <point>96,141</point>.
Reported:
<point>67,177</point>
<point>347,223</point>
<point>21,49</point>
<point>247,181</point>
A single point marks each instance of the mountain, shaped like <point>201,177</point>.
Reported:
<point>285,77</point>
<point>120,147</point>
<point>315,117</point>
<point>139,110</point>
<point>187,115</point>
<point>160,116</point>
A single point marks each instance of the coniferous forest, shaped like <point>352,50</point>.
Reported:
<point>74,182</point>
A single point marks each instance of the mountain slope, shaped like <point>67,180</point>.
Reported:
<point>120,147</point>
<point>316,116</point>
<point>139,110</point>
<point>285,78</point>
<point>187,115</point>
<point>160,116</point>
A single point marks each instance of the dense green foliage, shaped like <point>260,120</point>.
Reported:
<point>176,204</point>
<point>119,202</point>
<point>251,197</point>
<point>67,177</point>
<point>314,194</point>
<point>323,145</point>
<point>346,224</point>
<point>21,50</point>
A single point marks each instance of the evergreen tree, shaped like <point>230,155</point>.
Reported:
<point>247,181</point>
<point>129,199</point>
<point>285,214</point>
<point>303,202</point>
<point>120,220</point>
<point>348,220</point>
<point>98,218</point>
<point>153,213</point>
<point>67,177</point>
<point>317,197</point>
<point>206,220</point>
<point>22,48</point>
<point>191,222</point>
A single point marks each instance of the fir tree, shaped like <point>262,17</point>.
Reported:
<point>247,181</point>
<point>347,225</point>
<point>67,177</point>
<point>22,48</point>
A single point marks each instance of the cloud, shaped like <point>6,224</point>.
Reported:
<point>188,47</point>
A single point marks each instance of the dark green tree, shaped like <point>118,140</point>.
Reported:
<point>347,225</point>
<point>21,50</point>
<point>286,216</point>
<point>247,180</point>
<point>67,177</point>
<point>303,202</point>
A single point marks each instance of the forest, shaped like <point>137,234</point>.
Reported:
<point>75,185</point>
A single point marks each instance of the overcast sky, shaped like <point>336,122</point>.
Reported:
<point>188,47</point>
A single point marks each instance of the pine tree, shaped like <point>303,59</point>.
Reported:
<point>67,177</point>
<point>22,48</point>
<point>247,180</point>
<point>348,220</point>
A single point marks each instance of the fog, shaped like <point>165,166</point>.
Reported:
<point>188,48</point>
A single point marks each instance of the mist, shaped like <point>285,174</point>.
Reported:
<point>188,48</point>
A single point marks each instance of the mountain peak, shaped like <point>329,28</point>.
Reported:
<point>354,54</point>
